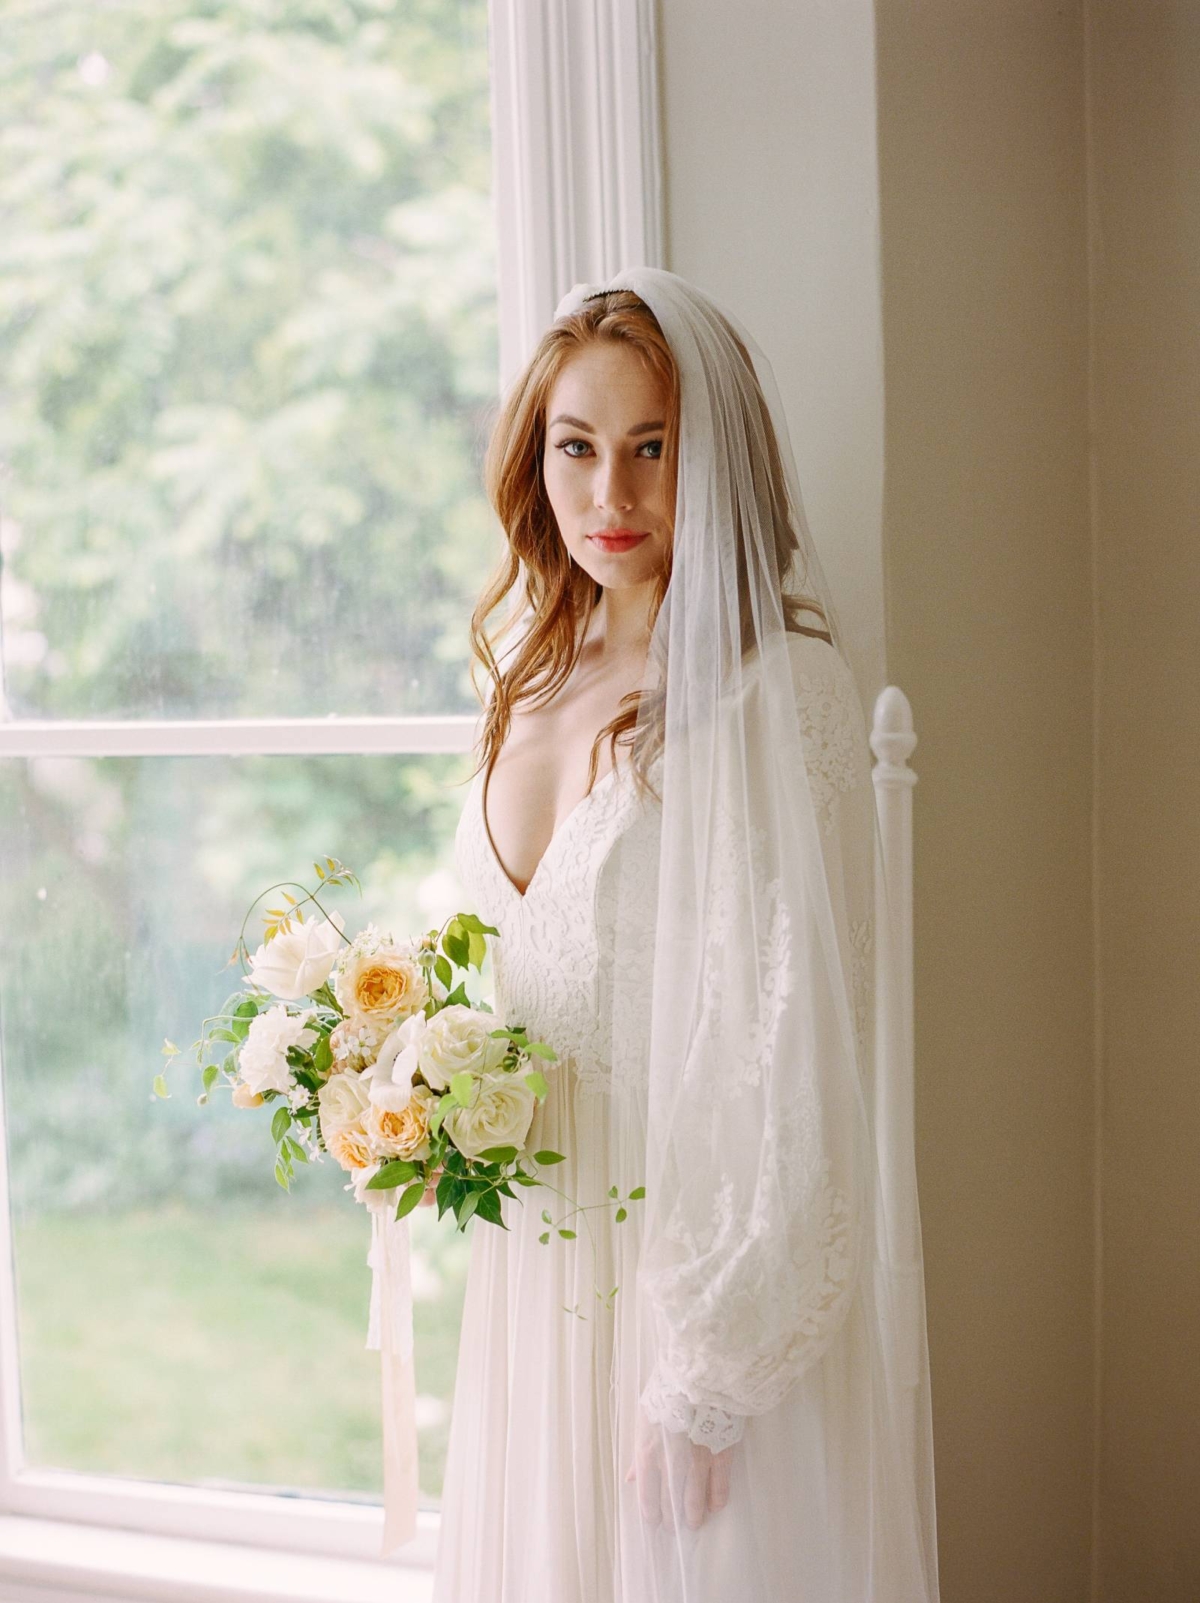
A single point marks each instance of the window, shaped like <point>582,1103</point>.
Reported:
<point>262,268</point>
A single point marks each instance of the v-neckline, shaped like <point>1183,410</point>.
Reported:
<point>521,895</point>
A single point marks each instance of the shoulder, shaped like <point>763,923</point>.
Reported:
<point>815,666</point>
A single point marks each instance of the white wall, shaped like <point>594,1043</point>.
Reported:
<point>772,206</point>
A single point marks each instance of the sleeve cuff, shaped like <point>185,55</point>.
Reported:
<point>706,1425</point>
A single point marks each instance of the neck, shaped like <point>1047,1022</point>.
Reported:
<point>620,622</point>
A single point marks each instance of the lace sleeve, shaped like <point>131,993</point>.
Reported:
<point>766,1220</point>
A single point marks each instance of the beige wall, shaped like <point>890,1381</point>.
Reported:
<point>952,311</point>
<point>1146,186</point>
<point>989,609</point>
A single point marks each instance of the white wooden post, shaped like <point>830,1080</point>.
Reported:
<point>897,1218</point>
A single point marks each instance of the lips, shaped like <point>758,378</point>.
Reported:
<point>617,539</point>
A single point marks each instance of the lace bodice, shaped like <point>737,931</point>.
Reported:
<point>550,959</point>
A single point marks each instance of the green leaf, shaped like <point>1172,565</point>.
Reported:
<point>281,1123</point>
<point>283,1176</point>
<point>469,1206</point>
<point>567,1235</point>
<point>547,1157</point>
<point>473,923</point>
<point>322,1056</point>
<point>622,1215</point>
<point>460,1088</point>
<point>499,1154</point>
<point>457,949</point>
<point>541,1050</point>
<point>636,1193</point>
<point>612,1191</point>
<point>160,1085</point>
<point>489,1208</point>
<point>409,1198</point>
<point>544,1237</point>
<point>294,1150</point>
<point>392,1174</point>
<point>443,971</point>
<point>222,1034</point>
<point>546,1216</point>
<point>536,1081</point>
<point>476,949</point>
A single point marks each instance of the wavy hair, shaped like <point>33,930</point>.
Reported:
<point>558,593</point>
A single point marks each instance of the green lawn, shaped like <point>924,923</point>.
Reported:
<point>225,1345</point>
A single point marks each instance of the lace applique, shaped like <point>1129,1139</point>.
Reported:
<point>784,1281</point>
<point>738,873</point>
<point>830,721</point>
<point>547,963</point>
<point>714,1428</point>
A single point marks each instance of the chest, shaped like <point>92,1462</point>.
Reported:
<point>539,778</point>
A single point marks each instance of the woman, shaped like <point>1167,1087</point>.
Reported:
<point>707,1395</point>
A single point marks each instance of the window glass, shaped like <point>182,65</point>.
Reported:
<point>247,356</point>
<point>179,1317</point>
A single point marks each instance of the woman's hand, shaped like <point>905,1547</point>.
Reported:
<point>668,1461</point>
<point>430,1194</point>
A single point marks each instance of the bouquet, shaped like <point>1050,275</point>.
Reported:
<point>371,1050</point>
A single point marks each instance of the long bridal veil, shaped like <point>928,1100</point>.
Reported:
<point>769,1309</point>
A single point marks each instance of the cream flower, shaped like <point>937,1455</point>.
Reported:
<point>295,963</point>
<point>244,1097</point>
<point>499,1115</point>
<point>350,1147</point>
<point>342,1101</point>
<point>379,981</point>
<point>457,1040</point>
<point>397,1122</point>
<point>262,1059</point>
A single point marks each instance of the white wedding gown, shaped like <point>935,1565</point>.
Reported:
<point>527,1503</point>
<point>534,1503</point>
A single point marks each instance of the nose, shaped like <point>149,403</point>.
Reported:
<point>614,491</point>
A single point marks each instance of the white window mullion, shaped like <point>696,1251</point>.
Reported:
<point>238,737</point>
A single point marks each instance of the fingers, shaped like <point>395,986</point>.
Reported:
<point>695,1487</point>
<point>718,1479</point>
<point>649,1487</point>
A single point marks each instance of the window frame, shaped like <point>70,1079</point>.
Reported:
<point>578,195</point>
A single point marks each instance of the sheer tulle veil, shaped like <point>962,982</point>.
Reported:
<point>769,1307</point>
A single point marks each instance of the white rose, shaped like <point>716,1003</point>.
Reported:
<point>343,1100</point>
<point>295,963</point>
<point>263,1056</point>
<point>457,1040</point>
<point>499,1115</point>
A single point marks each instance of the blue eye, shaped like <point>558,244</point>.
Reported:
<point>565,447</point>
<point>656,447</point>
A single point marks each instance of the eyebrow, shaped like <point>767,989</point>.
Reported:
<point>578,423</point>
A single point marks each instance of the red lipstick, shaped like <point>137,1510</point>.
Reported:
<point>617,539</point>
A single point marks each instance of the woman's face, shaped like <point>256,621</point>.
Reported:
<point>603,470</point>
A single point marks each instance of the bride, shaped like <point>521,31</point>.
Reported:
<point>704,1389</point>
